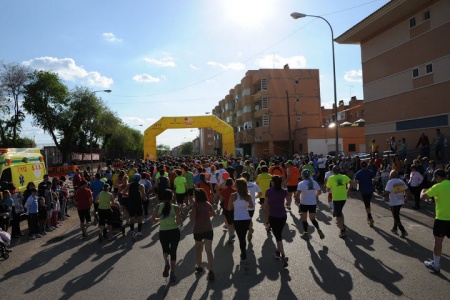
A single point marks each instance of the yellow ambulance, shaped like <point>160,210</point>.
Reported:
<point>20,166</point>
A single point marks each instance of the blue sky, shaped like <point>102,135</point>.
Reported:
<point>178,58</point>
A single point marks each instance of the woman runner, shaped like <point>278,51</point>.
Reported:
<point>169,218</point>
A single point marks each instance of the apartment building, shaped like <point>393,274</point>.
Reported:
<point>405,51</point>
<point>278,112</point>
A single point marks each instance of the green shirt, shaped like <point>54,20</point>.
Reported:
<point>104,200</point>
<point>169,222</point>
<point>189,179</point>
<point>441,193</point>
<point>179,183</point>
<point>263,181</point>
<point>338,185</point>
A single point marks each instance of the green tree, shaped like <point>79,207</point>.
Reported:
<point>187,148</point>
<point>46,99</point>
<point>162,150</point>
<point>13,78</point>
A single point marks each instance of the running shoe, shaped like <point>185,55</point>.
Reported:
<point>83,232</point>
<point>173,278</point>
<point>430,265</point>
<point>277,254</point>
<point>370,222</point>
<point>198,269</point>
<point>211,276</point>
<point>394,230</point>
<point>288,207</point>
<point>343,234</point>
<point>231,239</point>
<point>166,270</point>
<point>404,234</point>
<point>38,235</point>
<point>305,235</point>
<point>284,261</point>
<point>322,236</point>
<point>100,237</point>
<point>32,237</point>
<point>139,234</point>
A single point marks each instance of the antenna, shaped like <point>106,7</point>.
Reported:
<point>350,86</point>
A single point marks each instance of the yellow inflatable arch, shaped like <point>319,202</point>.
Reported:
<point>211,121</point>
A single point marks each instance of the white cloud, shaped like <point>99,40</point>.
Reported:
<point>277,61</point>
<point>193,67</point>
<point>145,78</point>
<point>164,62</point>
<point>235,66</point>
<point>111,37</point>
<point>67,69</point>
<point>353,76</point>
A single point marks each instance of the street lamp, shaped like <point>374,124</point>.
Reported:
<point>90,117</point>
<point>297,15</point>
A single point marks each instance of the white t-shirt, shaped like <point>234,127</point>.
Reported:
<point>253,189</point>
<point>328,175</point>
<point>308,192</point>
<point>396,188</point>
<point>219,176</point>
<point>321,162</point>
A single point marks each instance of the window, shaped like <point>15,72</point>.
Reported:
<point>265,102</point>
<point>415,73</point>
<point>362,112</point>
<point>257,107</point>
<point>265,120</point>
<point>299,118</point>
<point>426,15</point>
<point>264,84</point>
<point>351,147</point>
<point>239,113</point>
<point>357,116</point>
<point>247,108</point>
<point>300,147</point>
<point>297,100</point>
<point>412,22</point>
<point>246,92</point>
<point>429,68</point>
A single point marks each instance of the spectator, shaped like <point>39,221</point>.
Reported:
<point>424,144</point>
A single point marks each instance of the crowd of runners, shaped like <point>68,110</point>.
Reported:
<point>176,188</point>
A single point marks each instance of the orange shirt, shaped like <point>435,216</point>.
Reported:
<point>294,173</point>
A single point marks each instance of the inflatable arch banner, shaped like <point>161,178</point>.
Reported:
<point>211,121</point>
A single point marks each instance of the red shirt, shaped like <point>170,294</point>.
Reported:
<point>226,192</point>
<point>83,197</point>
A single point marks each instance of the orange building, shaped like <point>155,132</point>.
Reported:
<point>277,111</point>
<point>405,62</point>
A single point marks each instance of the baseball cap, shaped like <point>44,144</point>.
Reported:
<point>290,162</point>
<point>363,164</point>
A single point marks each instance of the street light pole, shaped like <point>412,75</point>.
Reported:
<point>91,121</point>
<point>297,15</point>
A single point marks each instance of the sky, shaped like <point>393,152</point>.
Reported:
<point>178,58</point>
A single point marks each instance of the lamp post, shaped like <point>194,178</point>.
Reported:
<point>91,121</point>
<point>297,15</point>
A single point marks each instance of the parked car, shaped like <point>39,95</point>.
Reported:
<point>361,155</point>
<point>340,153</point>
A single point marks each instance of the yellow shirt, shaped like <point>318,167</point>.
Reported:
<point>338,185</point>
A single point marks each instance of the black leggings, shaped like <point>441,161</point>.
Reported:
<point>169,240</point>
<point>277,225</point>
<point>366,198</point>
<point>145,205</point>
<point>396,215</point>
<point>241,227</point>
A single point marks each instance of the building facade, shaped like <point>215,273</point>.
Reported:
<point>405,53</point>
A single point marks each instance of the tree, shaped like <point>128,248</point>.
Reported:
<point>162,150</point>
<point>187,148</point>
<point>13,78</point>
<point>46,99</point>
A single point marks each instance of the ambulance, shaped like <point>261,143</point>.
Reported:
<point>21,166</point>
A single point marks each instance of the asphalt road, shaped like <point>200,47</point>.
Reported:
<point>371,263</point>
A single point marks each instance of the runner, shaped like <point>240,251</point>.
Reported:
<point>83,201</point>
<point>337,185</point>
<point>228,214</point>
<point>201,213</point>
<point>292,176</point>
<point>275,215</point>
<point>169,218</point>
<point>441,228</point>
<point>365,179</point>
<point>136,195</point>
<point>307,192</point>
<point>104,200</point>
<point>395,189</point>
<point>181,188</point>
<point>240,202</point>
<point>255,192</point>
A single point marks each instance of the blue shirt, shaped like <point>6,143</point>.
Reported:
<point>364,177</point>
<point>32,205</point>
<point>96,187</point>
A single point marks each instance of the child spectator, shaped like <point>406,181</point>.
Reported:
<point>42,215</point>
